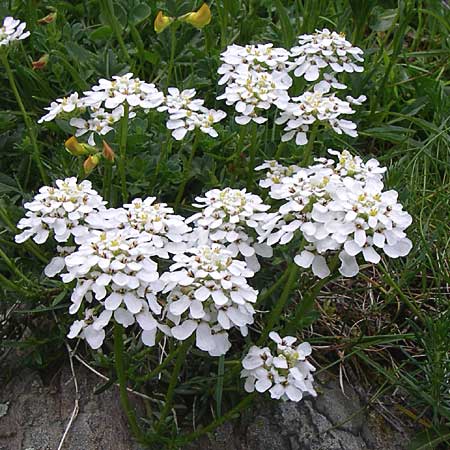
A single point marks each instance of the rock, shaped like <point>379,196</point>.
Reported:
<point>332,421</point>
<point>37,415</point>
<point>34,416</point>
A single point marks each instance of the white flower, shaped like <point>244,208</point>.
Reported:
<point>91,328</point>
<point>325,49</point>
<point>285,374</point>
<point>254,92</point>
<point>339,208</point>
<point>12,30</point>
<point>209,295</point>
<point>187,113</point>
<point>303,111</point>
<point>276,172</point>
<point>238,60</point>
<point>61,106</point>
<point>61,211</point>
<point>229,217</point>
<point>125,88</point>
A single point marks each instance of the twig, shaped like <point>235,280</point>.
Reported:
<point>76,407</point>
<point>104,377</point>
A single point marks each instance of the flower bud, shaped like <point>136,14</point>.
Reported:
<point>75,148</point>
<point>90,163</point>
<point>162,22</point>
<point>49,18</point>
<point>108,152</point>
<point>199,18</point>
<point>40,63</point>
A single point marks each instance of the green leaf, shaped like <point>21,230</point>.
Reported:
<point>102,33</point>
<point>382,19</point>
<point>139,13</point>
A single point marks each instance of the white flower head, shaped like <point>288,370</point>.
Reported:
<point>230,217</point>
<point>338,208</point>
<point>286,374</point>
<point>209,295</point>
<point>12,30</point>
<point>325,49</point>
<point>61,211</point>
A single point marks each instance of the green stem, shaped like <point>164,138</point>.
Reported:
<point>173,44</point>
<point>107,181</point>
<point>30,245</point>
<point>123,151</point>
<point>251,164</point>
<point>219,385</point>
<point>121,377</point>
<point>160,367</point>
<point>274,317</point>
<point>187,169</point>
<point>273,288</point>
<point>173,382</point>
<point>307,153</point>
<point>165,150</point>
<point>26,118</point>
<point>115,25</point>
<point>13,268</point>
<point>8,284</point>
<point>244,403</point>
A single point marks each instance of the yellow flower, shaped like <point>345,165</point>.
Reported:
<point>75,148</point>
<point>162,22</point>
<point>90,163</point>
<point>199,18</point>
<point>108,152</point>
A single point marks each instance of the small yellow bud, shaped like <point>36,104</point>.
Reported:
<point>40,63</point>
<point>199,18</point>
<point>108,152</point>
<point>49,18</point>
<point>162,22</point>
<point>90,163</point>
<point>75,148</point>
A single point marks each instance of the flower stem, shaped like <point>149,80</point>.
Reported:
<point>165,150</point>
<point>115,25</point>
<point>173,45</point>
<point>123,151</point>
<point>26,118</point>
<point>107,181</point>
<point>307,154</point>
<point>219,385</point>
<point>121,377</point>
<point>187,170</point>
<point>244,403</point>
<point>251,164</point>
<point>276,312</point>
<point>173,382</point>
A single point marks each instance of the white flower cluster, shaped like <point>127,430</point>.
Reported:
<point>324,49</point>
<point>256,77</point>
<point>101,107</point>
<point>303,111</point>
<point>62,211</point>
<point>227,218</point>
<point>12,30</point>
<point>187,113</point>
<point>285,374</point>
<point>115,268</point>
<point>338,208</point>
<point>209,294</point>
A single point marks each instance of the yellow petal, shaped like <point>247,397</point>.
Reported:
<point>162,22</point>
<point>74,147</point>
<point>199,18</point>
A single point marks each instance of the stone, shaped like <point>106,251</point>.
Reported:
<point>37,415</point>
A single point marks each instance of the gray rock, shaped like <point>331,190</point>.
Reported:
<point>37,415</point>
<point>332,421</point>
